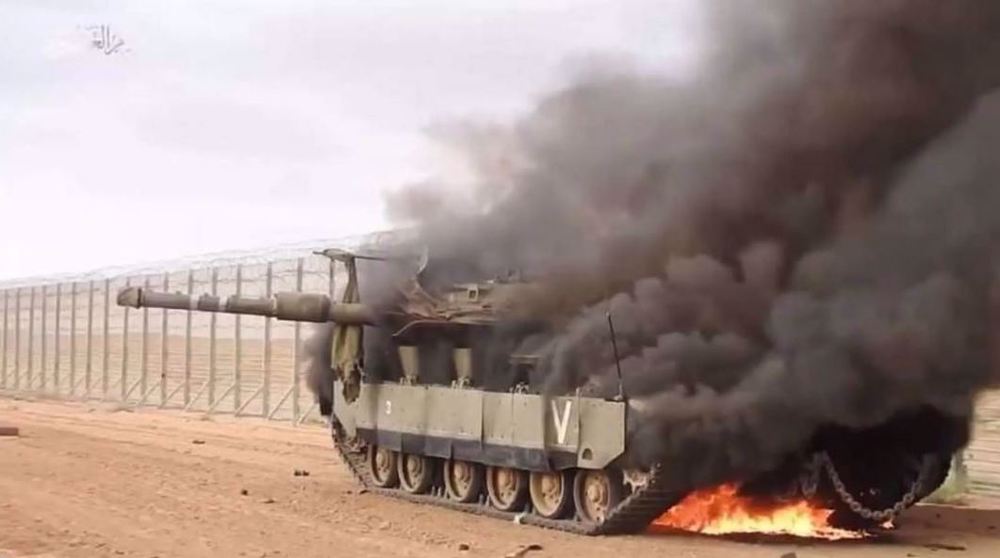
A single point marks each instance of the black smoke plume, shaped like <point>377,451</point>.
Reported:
<point>316,365</point>
<point>803,234</point>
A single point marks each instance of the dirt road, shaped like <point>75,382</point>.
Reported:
<point>93,480</point>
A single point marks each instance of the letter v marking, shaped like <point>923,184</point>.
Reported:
<point>561,420</point>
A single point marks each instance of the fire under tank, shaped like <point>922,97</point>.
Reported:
<point>428,401</point>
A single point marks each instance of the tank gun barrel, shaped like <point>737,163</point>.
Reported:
<point>296,307</point>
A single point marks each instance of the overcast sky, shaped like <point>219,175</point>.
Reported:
<point>239,124</point>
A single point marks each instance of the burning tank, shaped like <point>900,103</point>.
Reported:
<point>432,398</point>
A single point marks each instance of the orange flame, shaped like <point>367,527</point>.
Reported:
<point>720,510</point>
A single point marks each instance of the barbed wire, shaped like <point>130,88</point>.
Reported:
<point>279,256</point>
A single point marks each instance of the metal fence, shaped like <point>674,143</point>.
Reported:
<point>981,468</point>
<point>69,338</point>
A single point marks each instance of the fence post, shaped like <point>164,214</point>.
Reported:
<point>106,341</point>
<point>211,341</point>
<point>72,338</point>
<point>43,361</point>
<point>187,343</point>
<point>89,364</point>
<point>31,342</point>
<point>123,387</point>
<point>238,341</point>
<point>144,355</point>
<point>961,472</point>
<point>57,349</point>
<point>295,348</point>
<point>3,373</point>
<point>266,394</point>
<point>164,344</point>
<point>17,338</point>
<point>331,280</point>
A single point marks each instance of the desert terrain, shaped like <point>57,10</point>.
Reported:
<point>92,479</point>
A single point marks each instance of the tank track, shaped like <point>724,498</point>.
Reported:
<point>632,515</point>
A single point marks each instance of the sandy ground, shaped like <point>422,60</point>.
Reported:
<point>94,480</point>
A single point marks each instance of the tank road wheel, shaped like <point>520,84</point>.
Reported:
<point>596,493</point>
<point>551,493</point>
<point>416,473</point>
<point>382,466</point>
<point>507,488</point>
<point>463,480</point>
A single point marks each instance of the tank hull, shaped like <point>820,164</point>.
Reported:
<point>522,430</point>
<point>564,435</point>
<point>544,445</point>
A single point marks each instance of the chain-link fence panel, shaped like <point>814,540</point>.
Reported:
<point>67,336</point>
